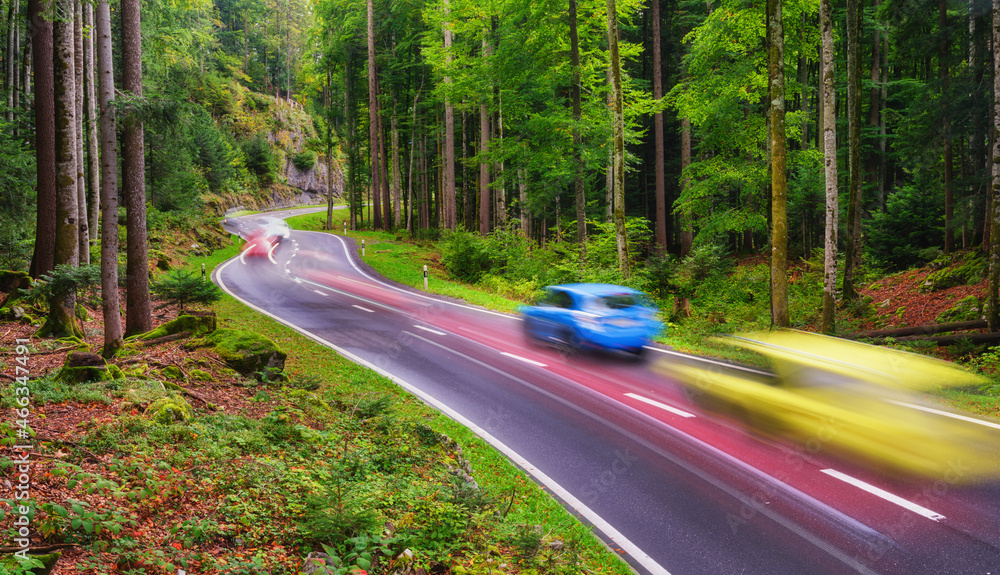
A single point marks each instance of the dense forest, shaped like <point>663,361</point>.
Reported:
<point>844,128</point>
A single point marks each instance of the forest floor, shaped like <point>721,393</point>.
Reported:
<point>171,515</point>
<point>902,303</point>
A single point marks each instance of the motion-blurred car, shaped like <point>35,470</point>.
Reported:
<point>600,316</point>
<point>852,400</point>
<point>264,239</point>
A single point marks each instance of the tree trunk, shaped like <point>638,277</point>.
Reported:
<point>81,164</point>
<point>779,217</point>
<point>62,308</point>
<point>448,191</point>
<point>949,205</point>
<point>854,206</point>
<point>109,185</point>
<point>484,170</point>
<point>90,100</point>
<point>383,160</point>
<point>12,72</point>
<point>522,201</point>
<point>373,138</point>
<point>500,194</point>
<point>661,181</point>
<point>609,174</point>
<point>687,218</point>
<point>828,321</point>
<point>397,174</point>
<point>578,180</point>
<point>328,104</point>
<point>618,106</point>
<point>993,283</point>
<point>413,145</point>
<point>42,261</point>
<point>138,312</point>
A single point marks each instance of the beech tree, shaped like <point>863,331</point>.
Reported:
<point>829,135</point>
<point>779,215</point>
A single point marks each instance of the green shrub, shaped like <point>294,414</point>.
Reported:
<point>465,255</point>
<point>183,287</point>
<point>259,158</point>
<point>304,160</point>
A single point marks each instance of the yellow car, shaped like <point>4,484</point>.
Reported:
<point>853,400</point>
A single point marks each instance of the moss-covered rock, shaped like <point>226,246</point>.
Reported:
<point>247,352</point>
<point>966,309</point>
<point>196,324</point>
<point>140,393</point>
<point>172,372</point>
<point>115,372</point>
<point>81,366</point>
<point>967,270</point>
<point>170,409</point>
<point>48,561</point>
<point>200,375</point>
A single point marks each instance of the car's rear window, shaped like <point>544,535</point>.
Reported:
<point>621,300</point>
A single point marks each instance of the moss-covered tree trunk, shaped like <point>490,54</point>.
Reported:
<point>578,166</point>
<point>618,152</point>
<point>62,306</point>
<point>779,216</point>
<point>993,287</point>
<point>852,247</point>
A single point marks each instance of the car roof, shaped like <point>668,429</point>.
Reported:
<point>596,289</point>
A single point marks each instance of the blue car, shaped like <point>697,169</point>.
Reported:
<point>599,316</point>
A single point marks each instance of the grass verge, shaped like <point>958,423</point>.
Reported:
<point>531,518</point>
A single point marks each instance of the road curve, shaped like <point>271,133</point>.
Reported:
<point>676,492</point>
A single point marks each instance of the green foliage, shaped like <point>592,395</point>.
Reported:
<point>465,255</point>
<point>304,160</point>
<point>214,154</point>
<point>17,241</point>
<point>65,278</point>
<point>183,287</point>
<point>259,158</point>
<point>898,237</point>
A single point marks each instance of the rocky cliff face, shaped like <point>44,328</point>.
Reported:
<point>313,180</point>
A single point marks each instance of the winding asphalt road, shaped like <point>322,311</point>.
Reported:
<point>674,491</point>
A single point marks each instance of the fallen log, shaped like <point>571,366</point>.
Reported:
<point>929,329</point>
<point>164,339</point>
<point>943,340</point>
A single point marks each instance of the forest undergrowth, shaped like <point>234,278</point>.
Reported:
<point>330,458</point>
<point>327,460</point>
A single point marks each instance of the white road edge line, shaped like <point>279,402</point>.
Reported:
<point>524,359</point>
<point>891,498</point>
<point>663,406</point>
<point>945,413</point>
<point>705,360</point>
<point>363,308</point>
<point>434,331</point>
<point>554,488</point>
